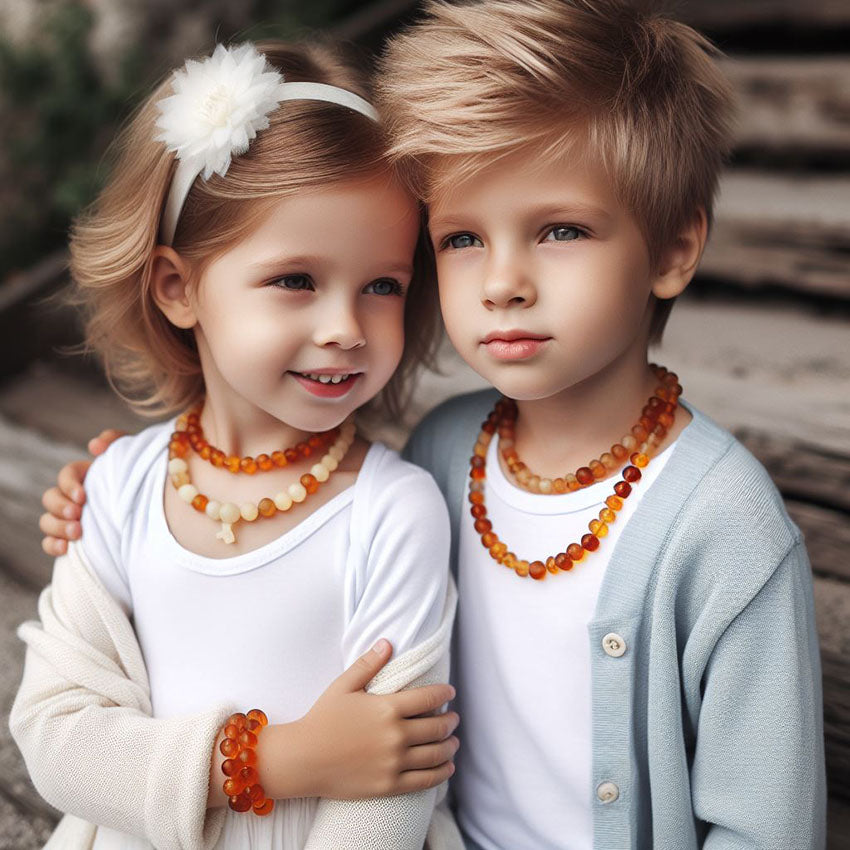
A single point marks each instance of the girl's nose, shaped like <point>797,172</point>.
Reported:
<point>342,329</point>
<point>507,283</point>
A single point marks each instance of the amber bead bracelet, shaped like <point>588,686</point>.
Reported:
<point>239,747</point>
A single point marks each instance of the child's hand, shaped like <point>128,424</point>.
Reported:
<point>64,503</point>
<point>360,745</point>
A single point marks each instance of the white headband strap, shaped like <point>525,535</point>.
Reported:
<point>222,119</point>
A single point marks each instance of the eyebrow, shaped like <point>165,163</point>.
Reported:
<point>547,211</point>
<point>274,264</point>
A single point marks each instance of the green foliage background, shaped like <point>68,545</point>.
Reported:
<point>58,112</point>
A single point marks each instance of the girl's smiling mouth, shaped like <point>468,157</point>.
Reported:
<point>330,383</point>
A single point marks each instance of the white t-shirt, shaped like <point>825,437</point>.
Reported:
<point>273,627</point>
<point>523,777</point>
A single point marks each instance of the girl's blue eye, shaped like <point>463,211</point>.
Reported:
<point>384,286</point>
<point>295,282</point>
<point>561,233</point>
<point>463,240</point>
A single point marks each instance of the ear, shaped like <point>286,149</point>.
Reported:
<point>171,284</point>
<point>679,261</point>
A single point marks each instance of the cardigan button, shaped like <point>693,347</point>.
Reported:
<point>613,645</point>
<point>607,792</point>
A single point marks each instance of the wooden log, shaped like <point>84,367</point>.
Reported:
<point>779,230</point>
<point>796,105</point>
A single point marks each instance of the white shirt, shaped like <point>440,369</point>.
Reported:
<point>273,627</point>
<point>523,777</point>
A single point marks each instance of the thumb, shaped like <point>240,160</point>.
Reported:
<point>362,671</point>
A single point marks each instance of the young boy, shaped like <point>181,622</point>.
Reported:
<point>658,685</point>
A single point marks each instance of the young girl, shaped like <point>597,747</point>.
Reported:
<point>251,264</point>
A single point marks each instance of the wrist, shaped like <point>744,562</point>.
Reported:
<point>285,763</point>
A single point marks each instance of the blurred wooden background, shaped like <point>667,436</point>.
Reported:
<point>762,339</point>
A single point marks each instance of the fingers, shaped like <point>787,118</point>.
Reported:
<point>71,478</point>
<point>422,700</point>
<point>57,503</point>
<point>54,547</point>
<point>428,730</point>
<point>52,526</point>
<point>362,671</point>
<point>420,780</point>
<point>99,444</point>
<point>431,755</point>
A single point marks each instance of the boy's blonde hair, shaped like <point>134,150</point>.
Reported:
<point>308,144</point>
<point>603,78</point>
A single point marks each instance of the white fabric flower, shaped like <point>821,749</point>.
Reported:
<point>218,106</point>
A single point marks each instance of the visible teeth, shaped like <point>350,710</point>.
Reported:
<point>327,379</point>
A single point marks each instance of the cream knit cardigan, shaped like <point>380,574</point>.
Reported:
<point>82,719</point>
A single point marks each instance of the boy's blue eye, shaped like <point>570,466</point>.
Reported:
<point>463,240</point>
<point>384,286</point>
<point>296,282</point>
<point>561,233</point>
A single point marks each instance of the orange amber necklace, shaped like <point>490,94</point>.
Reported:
<point>229,513</point>
<point>192,434</point>
<point>644,438</point>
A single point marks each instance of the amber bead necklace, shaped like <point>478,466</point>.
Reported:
<point>192,434</point>
<point>229,513</point>
<point>637,446</point>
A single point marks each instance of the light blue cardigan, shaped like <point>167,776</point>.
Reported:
<point>710,724</point>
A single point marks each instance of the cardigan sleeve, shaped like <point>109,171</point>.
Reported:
<point>758,777</point>
<point>81,719</point>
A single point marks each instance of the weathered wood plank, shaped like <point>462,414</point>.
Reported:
<point>836,721</point>
<point>792,103</point>
<point>782,230</point>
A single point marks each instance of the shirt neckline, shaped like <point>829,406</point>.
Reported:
<point>268,551</point>
<point>561,503</point>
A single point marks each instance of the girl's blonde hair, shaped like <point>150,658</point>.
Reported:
<point>607,79</point>
<point>151,363</point>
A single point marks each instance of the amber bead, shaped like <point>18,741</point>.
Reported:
<point>248,465</point>
<point>639,459</point>
<point>572,482</point>
<point>615,503</point>
<point>231,730</point>
<point>259,715</point>
<point>240,802</point>
<point>247,739</point>
<point>206,451</point>
<point>639,433</point>
<point>309,483</point>
<point>233,786</point>
<point>256,793</point>
<point>199,503</point>
<point>551,566</point>
<point>264,462</point>
<point>488,539</point>
<point>477,474</point>
<point>218,458</point>
<point>488,428</point>
<point>585,475</point>
<point>598,528</point>
<point>246,758</point>
<point>575,551</point>
<point>598,470</point>
<point>483,525</point>
<point>476,497</point>
<point>249,775</point>
<point>266,507</point>
<point>476,462</point>
<point>510,560</point>
<point>230,766</point>
<point>631,474</point>
<point>623,489</point>
<point>478,511</point>
<point>233,463</point>
<point>537,570</point>
<point>607,515</point>
<point>590,542</point>
<point>279,459</point>
<point>264,808</point>
<point>522,568</point>
<point>229,748</point>
<point>291,455</point>
<point>559,485</point>
<point>619,452</point>
<point>608,460</point>
<point>561,560</point>
<point>666,420</point>
<point>497,550</point>
<point>178,449</point>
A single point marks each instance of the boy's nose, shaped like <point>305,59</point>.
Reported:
<point>505,284</point>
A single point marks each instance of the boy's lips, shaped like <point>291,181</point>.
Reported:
<point>327,383</point>
<point>514,344</point>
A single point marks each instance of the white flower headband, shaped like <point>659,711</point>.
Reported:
<point>217,108</point>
